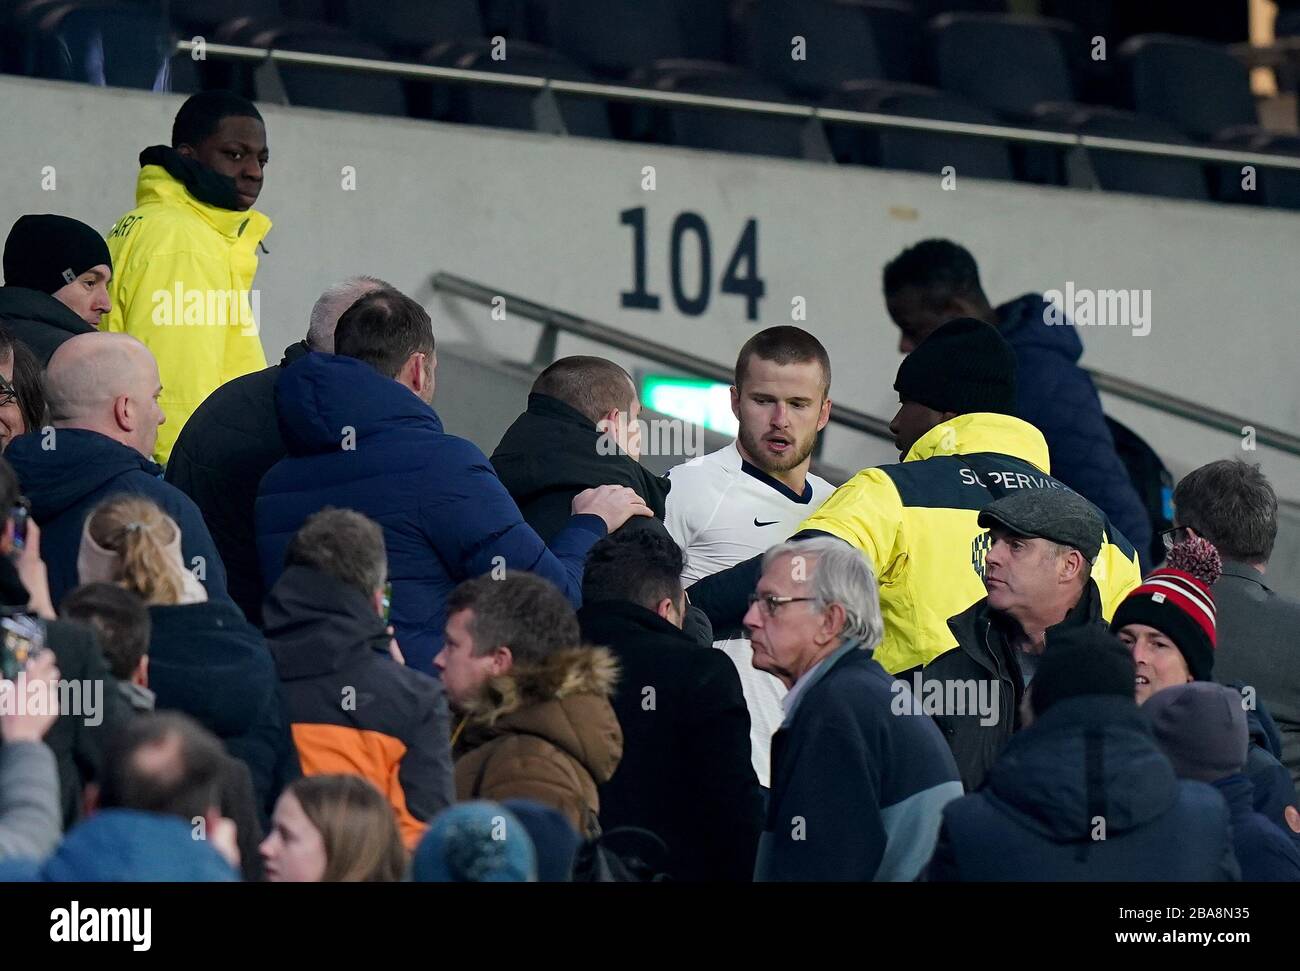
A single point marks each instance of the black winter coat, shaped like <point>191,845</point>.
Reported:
<point>986,652</point>
<point>39,321</point>
<point>207,661</point>
<point>549,454</point>
<point>1088,767</point>
<point>225,448</point>
<point>686,773</point>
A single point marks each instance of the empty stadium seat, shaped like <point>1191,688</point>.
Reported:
<point>320,87</point>
<point>1195,85</point>
<point>205,16</point>
<point>917,151</point>
<point>1125,172</point>
<point>613,37</point>
<point>1272,187</point>
<point>839,43</point>
<point>99,42</point>
<point>504,107</point>
<point>414,25</point>
<point>1004,62</point>
<point>721,131</point>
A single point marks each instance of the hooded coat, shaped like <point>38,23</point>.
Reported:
<point>1266,853</point>
<point>1087,767</point>
<point>1057,396</point>
<point>39,321</point>
<point>358,440</point>
<point>67,481</point>
<point>183,285</point>
<point>544,731</point>
<point>355,710</point>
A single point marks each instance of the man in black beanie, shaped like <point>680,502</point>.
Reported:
<point>1084,793</point>
<point>56,273</point>
<point>917,521</point>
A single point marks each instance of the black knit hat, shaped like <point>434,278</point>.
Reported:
<point>965,366</point>
<point>1082,661</point>
<point>47,252</point>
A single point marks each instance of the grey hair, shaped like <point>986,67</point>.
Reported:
<point>332,303</point>
<point>839,574</point>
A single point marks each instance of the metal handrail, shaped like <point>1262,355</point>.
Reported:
<point>593,330</point>
<point>808,113</point>
<point>559,320</point>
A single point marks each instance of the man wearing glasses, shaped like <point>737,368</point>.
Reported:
<point>858,788</point>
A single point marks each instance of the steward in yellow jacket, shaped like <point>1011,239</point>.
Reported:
<point>917,521</point>
<point>185,258</point>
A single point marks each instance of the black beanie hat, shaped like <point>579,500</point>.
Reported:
<point>965,366</point>
<point>1082,661</point>
<point>47,252</point>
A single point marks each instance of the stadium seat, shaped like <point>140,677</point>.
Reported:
<point>100,42</point>
<point>1272,187</point>
<point>414,25</point>
<point>719,131</point>
<point>319,87</point>
<point>1125,172</point>
<point>917,151</point>
<point>839,43</point>
<point>613,37</point>
<point>205,16</point>
<point>504,107</point>
<point>1004,62</point>
<point>1192,84</point>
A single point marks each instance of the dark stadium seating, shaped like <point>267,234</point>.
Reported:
<point>205,16</point>
<point>1007,63</point>
<point>95,42</point>
<point>1126,172</point>
<point>316,87</point>
<point>721,131</point>
<point>839,43</point>
<point>1197,86</point>
<point>979,158</point>
<point>613,37</point>
<point>506,108</point>
<point>413,25</point>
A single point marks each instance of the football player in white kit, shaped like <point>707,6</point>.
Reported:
<point>732,504</point>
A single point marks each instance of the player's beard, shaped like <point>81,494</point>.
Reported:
<point>773,464</point>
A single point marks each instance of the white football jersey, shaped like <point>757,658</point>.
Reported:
<point>721,511</point>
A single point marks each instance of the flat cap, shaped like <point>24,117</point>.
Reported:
<point>1060,515</point>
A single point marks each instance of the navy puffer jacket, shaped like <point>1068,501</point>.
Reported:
<point>358,440</point>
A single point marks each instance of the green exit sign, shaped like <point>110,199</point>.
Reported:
<point>696,400</point>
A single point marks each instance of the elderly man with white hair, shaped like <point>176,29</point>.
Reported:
<point>860,775</point>
<point>103,396</point>
<point>233,439</point>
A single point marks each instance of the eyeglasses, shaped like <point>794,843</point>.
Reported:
<point>771,604</point>
<point>1173,536</point>
<point>8,393</point>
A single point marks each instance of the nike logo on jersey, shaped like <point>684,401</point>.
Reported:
<point>772,523</point>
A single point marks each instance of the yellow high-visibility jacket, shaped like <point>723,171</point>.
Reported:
<point>916,523</point>
<point>183,284</point>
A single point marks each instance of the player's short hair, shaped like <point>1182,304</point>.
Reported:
<point>784,344</point>
<point>590,385</point>
<point>201,115</point>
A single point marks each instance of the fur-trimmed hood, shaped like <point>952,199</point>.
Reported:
<point>564,699</point>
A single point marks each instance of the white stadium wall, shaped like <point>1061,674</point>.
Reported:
<point>551,219</point>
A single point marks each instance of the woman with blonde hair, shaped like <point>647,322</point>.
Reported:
<point>333,829</point>
<point>205,659</point>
